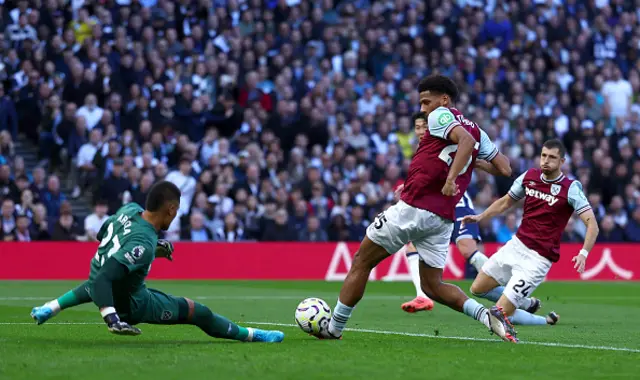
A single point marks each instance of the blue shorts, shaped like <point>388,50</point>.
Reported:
<point>470,231</point>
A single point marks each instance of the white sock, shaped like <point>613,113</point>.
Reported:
<point>478,259</point>
<point>414,269</point>
<point>53,305</point>
<point>476,311</point>
<point>250,336</point>
<point>339,319</point>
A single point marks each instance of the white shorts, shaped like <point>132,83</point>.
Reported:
<point>401,223</point>
<point>519,269</point>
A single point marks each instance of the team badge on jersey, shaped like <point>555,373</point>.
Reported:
<point>166,315</point>
<point>137,252</point>
<point>555,189</point>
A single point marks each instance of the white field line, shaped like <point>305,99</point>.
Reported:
<point>328,295</point>
<point>398,333</point>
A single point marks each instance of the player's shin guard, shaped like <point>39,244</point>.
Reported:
<point>521,317</point>
<point>414,269</point>
<point>492,295</point>
<point>215,325</point>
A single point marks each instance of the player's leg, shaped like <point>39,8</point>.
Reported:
<point>73,297</point>
<point>165,309</point>
<point>433,250</point>
<point>385,235</point>
<point>421,302</point>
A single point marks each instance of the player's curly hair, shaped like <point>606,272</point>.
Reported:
<point>439,84</point>
<point>418,116</point>
<point>161,193</point>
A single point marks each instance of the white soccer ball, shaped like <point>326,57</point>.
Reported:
<point>313,315</point>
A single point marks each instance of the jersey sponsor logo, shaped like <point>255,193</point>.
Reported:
<point>550,199</point>
<point>166,315</point>
<point>445,119</point>
<point>531,183</point>
<point>138,251</point>
<point>555,189</point>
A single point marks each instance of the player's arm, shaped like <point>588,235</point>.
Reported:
<point>490,159</point>
<point>498,207</point>
<point>102,294</point>
<point>443,124</point>
<point>581,205</point>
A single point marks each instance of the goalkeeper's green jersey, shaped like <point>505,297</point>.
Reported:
<point>131,240</point>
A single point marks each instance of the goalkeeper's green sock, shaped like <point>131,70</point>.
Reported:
<point>218,326</point>
<point>72,298</point>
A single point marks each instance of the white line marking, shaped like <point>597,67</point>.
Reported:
<point>248,297</point>
<point>331,295</point>
<point>545,344</point>
<point>400,333</point>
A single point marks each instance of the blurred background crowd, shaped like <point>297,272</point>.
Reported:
<point>291,119</point>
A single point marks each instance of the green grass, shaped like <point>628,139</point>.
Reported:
<point>597,315</point>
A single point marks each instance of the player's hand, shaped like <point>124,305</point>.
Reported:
<point>468,219</point>
<point>118,327</point>
<point>450,188</point>
<point>165,249</point>
<point>579,262</point>
<point>123,328</point>
<point>398,192</point>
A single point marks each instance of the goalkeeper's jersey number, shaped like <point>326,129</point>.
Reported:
<point>102,254</point>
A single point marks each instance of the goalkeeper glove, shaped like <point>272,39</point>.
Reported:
<point>118,327</point>
<point>164,248</point>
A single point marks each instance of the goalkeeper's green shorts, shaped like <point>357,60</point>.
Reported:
<point>156,307</point>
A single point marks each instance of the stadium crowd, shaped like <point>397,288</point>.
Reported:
<point>292,119</point>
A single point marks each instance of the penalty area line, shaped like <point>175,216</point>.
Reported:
<point>463,338</point>
<point>398,333</point>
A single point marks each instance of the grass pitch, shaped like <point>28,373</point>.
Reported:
<point>598,337</point>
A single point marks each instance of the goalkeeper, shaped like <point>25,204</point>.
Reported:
<point>116,284</point>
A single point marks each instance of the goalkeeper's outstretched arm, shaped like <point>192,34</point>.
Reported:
<point>102,294</point>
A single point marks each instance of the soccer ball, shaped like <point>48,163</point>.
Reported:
<point>313,315</point>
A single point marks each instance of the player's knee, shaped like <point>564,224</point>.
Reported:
<point>477,290</point>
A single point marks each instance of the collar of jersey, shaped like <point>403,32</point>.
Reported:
<point>560,178</point>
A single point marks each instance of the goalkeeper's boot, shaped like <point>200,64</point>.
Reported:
<point>535,306</point>
<point>41,314</point>
<point>417,304</point>
<point>553,318</point>
<point>267,336</point>
<point>501,326</point>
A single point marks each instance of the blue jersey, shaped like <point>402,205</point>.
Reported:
<point>470,231</point>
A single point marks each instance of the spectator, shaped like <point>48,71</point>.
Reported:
<point>508,229</point>
<point>569,234</point>
<point>114,187</point>
<point>66,228</point>
<point>185,182</point>
<point>313,231</point>
<point>231,231</point>
<point>279,229</point>
<point>53,197</point>
<point>7,148</point>
<point>8,114</point>
<point>197,232</point>
<point>94,221</point>
<point>632,230</point>
<point>22,232</point>
<point>40,225</point>
<point>26,205</point>
<point>609,231</point>
<point>8,220</point>
<point>8,188</point>
<point>85,168</point>
<point>358,225</point>
<point>618,94</point>
<point>338,230</point>
<point>90,112</point>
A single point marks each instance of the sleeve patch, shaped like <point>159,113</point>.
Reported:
<point>137,252</point>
